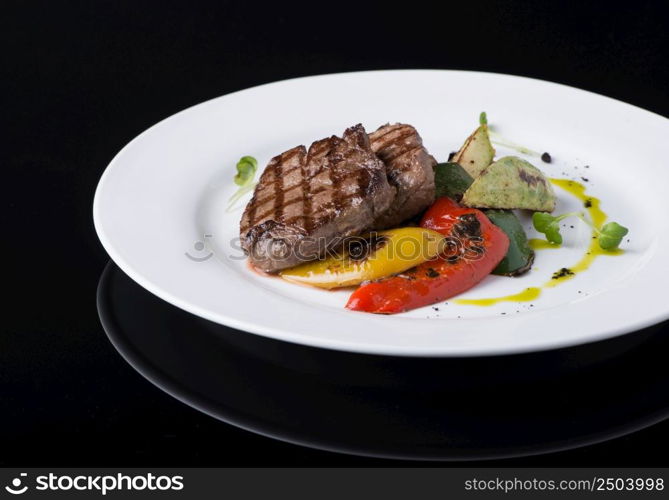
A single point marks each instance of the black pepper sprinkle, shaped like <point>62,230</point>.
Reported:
<point>503,314</point>
<point>587,166</point>
<point>431,273</point>
<point>562,273</point>
<point>571,227</point>
<point>587,203</point>
<point>546,158</point>
<point>585,179</point>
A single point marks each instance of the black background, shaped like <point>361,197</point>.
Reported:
<point>81,79</point>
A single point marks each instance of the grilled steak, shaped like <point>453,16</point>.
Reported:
<point>307,201</point>
<point>409,168</point>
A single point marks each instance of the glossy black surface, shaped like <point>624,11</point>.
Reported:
<point>81,79</point>
<point>450,409</point>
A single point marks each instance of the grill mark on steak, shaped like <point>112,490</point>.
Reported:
<point>343,189</point>
<point>380,145</point>
<point>292,170</point>
<point>338,196</point>
<point>291,153</point>
<point>305,188</point>
<point>409,168</point>
<point>406,166</point>
<point>290,220</point>
<point>261,201</point>
<point>252,208</point>
<point>278,190</point>
<point>336,188</point>
<point>250,217</point>
<point>385,130</point>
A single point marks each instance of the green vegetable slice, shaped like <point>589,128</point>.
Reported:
<point>519,257</point>
<point>451,180</point>
<point>509,183</point>
<point>477,151</point>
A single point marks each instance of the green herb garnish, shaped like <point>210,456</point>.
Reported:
<point>549,225</point>
<point>246,172</point>
<point>497,139</point>
<point>609,236</point>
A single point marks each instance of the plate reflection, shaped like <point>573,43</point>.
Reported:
<point>416,408</point>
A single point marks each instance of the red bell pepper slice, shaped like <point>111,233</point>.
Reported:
<point>475,248</point>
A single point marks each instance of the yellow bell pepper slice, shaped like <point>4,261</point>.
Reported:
<point>381,254</point>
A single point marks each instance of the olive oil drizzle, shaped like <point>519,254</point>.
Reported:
<point>526,295</point>
<point>598,217</point>
<point>539,244</point>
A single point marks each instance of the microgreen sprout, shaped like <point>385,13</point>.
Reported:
<point>609,235</point>
<point>246,171</point>
<point>496,138</point>
<point>550,226</point>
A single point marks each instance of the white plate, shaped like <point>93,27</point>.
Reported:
<point>169,188</point>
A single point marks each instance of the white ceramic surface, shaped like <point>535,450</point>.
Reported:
<point>168,189</point>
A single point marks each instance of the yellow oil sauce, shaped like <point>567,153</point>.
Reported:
<point>539,244</point>
<point>590,202</point>
<point>593,251</point>
<point>526,295</point>
<point>598,217</point>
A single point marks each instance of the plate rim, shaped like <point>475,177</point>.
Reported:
<point>280,334</point>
